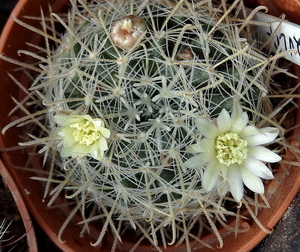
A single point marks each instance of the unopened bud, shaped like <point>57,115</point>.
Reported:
<point>127,30</point>
<point>185,54</point>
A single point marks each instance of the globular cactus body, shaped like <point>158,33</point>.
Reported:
<point>145,70</point>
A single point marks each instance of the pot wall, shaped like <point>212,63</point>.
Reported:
<point>30,234</point>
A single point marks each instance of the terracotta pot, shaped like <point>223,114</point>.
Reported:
<point>28,225</point>
<point>290,8</point>
<point>280,191</point>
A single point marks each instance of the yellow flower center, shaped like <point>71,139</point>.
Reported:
<point>230,148</point>
<point>85,132</point>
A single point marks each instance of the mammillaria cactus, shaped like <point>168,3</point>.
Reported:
<point>133,92</point>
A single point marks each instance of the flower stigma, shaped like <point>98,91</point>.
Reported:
<point>230,148</point>
<point>85,132</point>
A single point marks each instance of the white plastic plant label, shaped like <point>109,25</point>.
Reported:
<point>286,35</point>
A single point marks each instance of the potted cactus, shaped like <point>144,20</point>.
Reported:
<point>149,117</point>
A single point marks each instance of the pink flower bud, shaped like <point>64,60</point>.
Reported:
<point>127,30</point>
<point>185,54</point>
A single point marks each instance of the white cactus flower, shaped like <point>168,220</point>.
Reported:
<point>82,135</point>
<point>232,154</point>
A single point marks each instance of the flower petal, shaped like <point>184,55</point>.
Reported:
<point>67,135</point>
<point>211,175</point>
<point>263,154</point>
<point>66,152</point>
<point>252,181</point>
<point>206,127</point>
<point>240,123</point>
<point>66,120</point>
<point>235,183</point>
<point>97,123</point>
<point>237,112</point>
<point>223,170</point>
<point>224,121</point>
<point>238,117</point>
<point>265,135</point>
<point>249,130</point>
<point>258,168</point>
<point>59,119</point>
<point>97,154</point>
<point>208,145</point>
<point>105,132</point>
<point>223,186</point>
<point>194,148</point>
<point>80,149</point>
<point>102,144</point>
<point>196,161</point>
